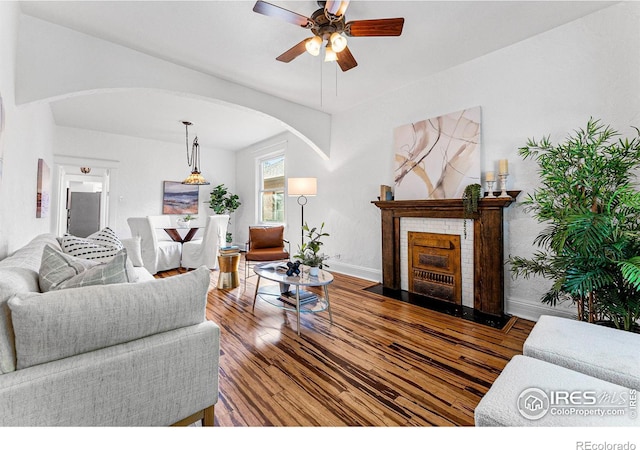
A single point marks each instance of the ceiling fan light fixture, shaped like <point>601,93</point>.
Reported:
<point>313,45</point>
<point>338,42</point>
<point>329,54</point>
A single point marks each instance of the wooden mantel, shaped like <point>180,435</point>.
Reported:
<point>488,243</point>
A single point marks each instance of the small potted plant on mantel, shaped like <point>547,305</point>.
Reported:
<point>309,253</point>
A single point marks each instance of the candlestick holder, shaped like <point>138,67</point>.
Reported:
<point>490,193</point>
<point>503,185</point>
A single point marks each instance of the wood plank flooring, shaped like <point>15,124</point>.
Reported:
<point>381,363</point>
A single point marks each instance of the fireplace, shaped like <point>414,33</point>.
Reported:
<point>434,266</point>
<point>487,259</point>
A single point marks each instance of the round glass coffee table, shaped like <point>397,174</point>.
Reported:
<point>289,294</point>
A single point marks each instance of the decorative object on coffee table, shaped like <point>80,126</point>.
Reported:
<point>309,253</point>
<point>294,268</point>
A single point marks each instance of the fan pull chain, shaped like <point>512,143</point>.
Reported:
<point>335,71</point>
<point>321,83</point>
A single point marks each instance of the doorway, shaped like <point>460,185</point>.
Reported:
<point>83,208</point>
<point>83,192</point>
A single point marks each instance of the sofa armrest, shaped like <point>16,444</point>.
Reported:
<point>154,381</point>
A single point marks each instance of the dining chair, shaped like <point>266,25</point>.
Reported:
<point>204,251</point>
<point>158,253</point>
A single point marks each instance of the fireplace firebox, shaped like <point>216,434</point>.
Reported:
<point>434,266</point>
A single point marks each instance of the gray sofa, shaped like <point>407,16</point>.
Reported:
<point>127,354</point>
<point>571,373</point>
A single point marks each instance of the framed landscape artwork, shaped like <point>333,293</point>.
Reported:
<point>43,196</point>
<point>438,157</point>
<point>180,198</point>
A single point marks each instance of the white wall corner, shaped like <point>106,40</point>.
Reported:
<point>525,309</point>
<point>355,271</point>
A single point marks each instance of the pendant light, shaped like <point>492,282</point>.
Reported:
<point>193,160</point>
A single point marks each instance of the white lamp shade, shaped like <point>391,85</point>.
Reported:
<point>313,45</point>
<point>329,54</point>
<point>338,42</point>
<point>302,186</point>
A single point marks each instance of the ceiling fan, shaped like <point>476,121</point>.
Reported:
<point>328,24</point>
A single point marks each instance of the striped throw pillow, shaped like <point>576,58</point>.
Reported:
<point>100,246</point>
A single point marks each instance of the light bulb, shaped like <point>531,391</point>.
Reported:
<point>338,42</point>
<point>329,54</point>
<point>313,45</point>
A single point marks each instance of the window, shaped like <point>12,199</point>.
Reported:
<point>271,193</point>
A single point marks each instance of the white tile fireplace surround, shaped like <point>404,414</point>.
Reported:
<point>441,226</point>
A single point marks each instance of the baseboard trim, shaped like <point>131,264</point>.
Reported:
<point>532,311</point>
<point>518,307</point>
<point>355,271</point>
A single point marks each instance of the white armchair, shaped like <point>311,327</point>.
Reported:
<point>199,252</point>
<point>158,252</point>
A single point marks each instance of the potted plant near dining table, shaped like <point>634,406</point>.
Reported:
<point>309,253</point>
<point>224,202</point>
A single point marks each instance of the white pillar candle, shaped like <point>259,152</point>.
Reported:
<point>504,166</point>
<point>490,176</point>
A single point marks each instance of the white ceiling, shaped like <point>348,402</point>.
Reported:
<point>227,39</point>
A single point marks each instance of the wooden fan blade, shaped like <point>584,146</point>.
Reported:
<point>336,9</point>
<point>346,61</point>
<point>288,16</point>
<point>293,52</point>
<point>375,27</point>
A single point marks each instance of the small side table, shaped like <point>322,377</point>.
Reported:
<point>228,278</point>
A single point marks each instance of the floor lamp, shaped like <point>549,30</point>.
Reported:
<point>302,188</point>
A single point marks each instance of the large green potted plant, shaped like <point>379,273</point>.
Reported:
<point>224,202</point>
<point>309,253</point>
<point>590,247</point>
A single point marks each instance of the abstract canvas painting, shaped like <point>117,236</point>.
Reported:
<point>180,198</point>
<point>438,157</point>
<point>43,190</point>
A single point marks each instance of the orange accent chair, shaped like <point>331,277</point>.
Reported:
<point>265,244</point>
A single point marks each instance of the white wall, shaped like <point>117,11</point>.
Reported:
<point>76,62</point>
<point>137,182</point>
<point>548,84</point>
<point>300,161</point>
<point>26,137</point>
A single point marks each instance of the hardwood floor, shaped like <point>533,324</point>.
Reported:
<point>381,363</point>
